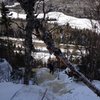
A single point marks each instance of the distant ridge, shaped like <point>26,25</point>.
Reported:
<point>77,8</point>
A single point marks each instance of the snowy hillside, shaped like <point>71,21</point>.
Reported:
<point>54,89</point>
<point>63,19</point>
<point>12,6</point>
<point>74,22</point>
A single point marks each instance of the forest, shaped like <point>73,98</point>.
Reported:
<point>68,48</point>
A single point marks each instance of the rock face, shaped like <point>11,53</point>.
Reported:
<point>76,8</point>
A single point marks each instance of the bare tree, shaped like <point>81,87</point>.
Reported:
<point>28,6</point>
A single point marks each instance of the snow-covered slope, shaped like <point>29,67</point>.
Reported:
<point>63,19</point>
<point>5,70</point>
<point>74,22</point>
<point>12,6</point>
<point>62,89</point>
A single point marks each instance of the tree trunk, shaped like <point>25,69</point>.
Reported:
<point>28,6</point>
<point>28,50</point>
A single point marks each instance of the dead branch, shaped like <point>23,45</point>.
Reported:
<point>44,94</point>
<point>18,25</point>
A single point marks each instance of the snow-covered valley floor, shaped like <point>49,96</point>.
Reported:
<point>63,89</point>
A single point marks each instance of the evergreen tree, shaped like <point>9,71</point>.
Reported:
<point>5,21</point>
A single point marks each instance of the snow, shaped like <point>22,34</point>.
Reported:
<point>42,56</point>
<point>38,41</point>
<point>7,90</point>
<point>63,89</point>
<point>80,23</point>
<point>62,19</point>
<point>5,70</point>
<point>13,39</point>
<point>12,6</point>
<point>16,15</point>
<point>12,91</point>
